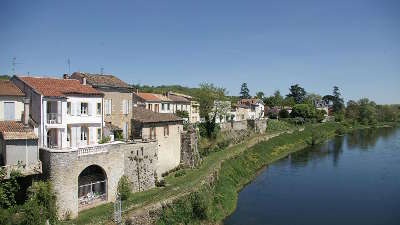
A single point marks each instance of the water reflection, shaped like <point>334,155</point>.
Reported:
<point>361,139</point>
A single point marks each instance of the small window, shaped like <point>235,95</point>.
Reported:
<point>162,106</point>
<point>84,108</point>
<point>168,106</point>
<point>99,108</point>
<point>166,131</point>
<point>69,108</point>
<point>98,134</point>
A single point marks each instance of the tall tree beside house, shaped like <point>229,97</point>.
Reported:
<point>244,91</point>
<point>260,95</point>
<point>335,99</point>
<point>274,100</point>
<point>298,93</point>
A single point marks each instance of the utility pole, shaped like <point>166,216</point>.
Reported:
<point>102,70</point>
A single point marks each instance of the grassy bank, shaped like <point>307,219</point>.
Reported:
<point>212,203</point>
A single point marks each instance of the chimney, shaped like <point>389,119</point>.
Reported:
<point>26,111</point>
<point>65,76</point>
<point>84,80</point>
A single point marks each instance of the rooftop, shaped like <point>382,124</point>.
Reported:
<point>102,80</point>
<point>146,116</point>
<point>55,87</point>
<point>14,130</point>
<point>7,88</point>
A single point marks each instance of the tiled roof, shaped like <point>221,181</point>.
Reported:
<point>148,97</point>
<point>101,80</point>
<point>250,101</point>
<point>180,99</point>
<point>146,116</point>
<point>7,88</point>
<point>163,98</point>
<point>54,87</point>
<point>13,130</point>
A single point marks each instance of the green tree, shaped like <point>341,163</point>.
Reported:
<point>260,95</point>
<point>352,110</point>
<point>367,111</point>
<point>206,95</point>
<point>244,91</point>
<point>298,93</point>
<point>303,110</point>
<point>274,100</point>
<point>335,99</point>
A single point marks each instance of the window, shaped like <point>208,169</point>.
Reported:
<point>150,107</point>
<point>152,133</point>
<point>168,106</point>
<point>107,106</point>
<point>69,134</point>
<point>98,134</point>
<point>163,106</point>
<point>125,107</point>
<point>69,108</point>
<point>84,133</point>
<point>84,108</point>
<point>9,110</point>
<point>99,108</point>
<point>166,131</point>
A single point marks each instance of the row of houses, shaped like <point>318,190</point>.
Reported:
<point>84,131</point>
<point>244,109</point>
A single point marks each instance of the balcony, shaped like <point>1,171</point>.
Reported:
<point>54,118</point>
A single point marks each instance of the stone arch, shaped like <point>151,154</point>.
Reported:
<point>92,186</point>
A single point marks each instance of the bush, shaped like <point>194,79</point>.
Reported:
<point>180,173</point>
<point>124,188</point>
<point>104,140</point>
<point>284,114</point>
<point>303,111</point>
<point>160,183</point>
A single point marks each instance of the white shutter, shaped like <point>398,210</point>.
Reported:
<point>78,108</point>
<point>92,138</point>
<point>78,136</point>
<point>105,107</point>
<point>123,107</point>
<point>90,109</point>
<point>109,106</point>
<point>129,106</point>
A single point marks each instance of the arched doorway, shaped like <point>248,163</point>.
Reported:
<point>92,186</point>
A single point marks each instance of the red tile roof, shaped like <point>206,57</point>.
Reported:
<point>101,79</point>
<point>148,97</point>
<point>14,130</point>
<point>7,88</point>
<point>54,87</point>
<point>146,116</point>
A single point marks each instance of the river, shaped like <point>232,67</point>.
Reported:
<point>354,179</point>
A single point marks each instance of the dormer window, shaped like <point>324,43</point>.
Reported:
<point>84,108</point>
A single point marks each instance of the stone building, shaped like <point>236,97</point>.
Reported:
<point>154,102</point>
<point>117,104</point>
<point>166,129</point>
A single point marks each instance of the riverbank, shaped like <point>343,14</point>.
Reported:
<point>209,193</point>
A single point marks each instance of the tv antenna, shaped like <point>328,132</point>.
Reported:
<point>69,66</point>
<point>102,70</point>
<point>14,64</point>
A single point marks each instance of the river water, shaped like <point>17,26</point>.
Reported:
<point>352,180</point>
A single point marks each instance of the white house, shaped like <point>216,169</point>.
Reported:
<point>255,108</point>
<point>68,113</point>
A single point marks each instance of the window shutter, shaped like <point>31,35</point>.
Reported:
<point>78,108</point>
<point>78,136</point>
<point>90,109</point>
<point>124,106</point>
<point>109,107</point>
<point>105,106</point>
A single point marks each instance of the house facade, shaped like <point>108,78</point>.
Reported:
<point>18,141</point>
<point>117,104</point>
<point>166,129</point>
<point>185,103</point>
<point>154,102</point>
<point>68,113</point>
<point>255,108</point>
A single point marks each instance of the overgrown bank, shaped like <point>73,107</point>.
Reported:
<point>213,202</point>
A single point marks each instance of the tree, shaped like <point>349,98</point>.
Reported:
<point>367,111</point>
<point>298,93</point>
<point>244,91</point>
<point>206,95</point>
<point>303,110</point>
<point>274,100</point>
<point>335,99</point>
<point>352,111</point>
<point>283,113</point>
<point>260,95</point>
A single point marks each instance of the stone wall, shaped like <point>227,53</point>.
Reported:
<point>190,156</point>
<point>140,164</point>
<point>135,160</point>
<point>256,125</point>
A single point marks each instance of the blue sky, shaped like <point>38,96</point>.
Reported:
<point>268,44</point>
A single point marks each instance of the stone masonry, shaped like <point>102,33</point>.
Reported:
<point>140,164</point>
<point>190,156</point>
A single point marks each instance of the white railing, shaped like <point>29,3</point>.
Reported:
<point>53,118</point>
<point>90,150</point>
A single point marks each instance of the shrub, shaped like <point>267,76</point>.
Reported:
<point>180,173</point>
<point>160,183</point>
<point>124,188</point>
<point>284,114</point>
<point>104,140</point>
<point>303,111</point>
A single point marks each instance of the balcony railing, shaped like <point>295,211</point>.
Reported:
<point>53,118</point>
<point>90,150</point>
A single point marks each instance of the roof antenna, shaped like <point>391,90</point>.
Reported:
<point>102,70</point>
<point>13,64</point>
<point>69,66</point>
